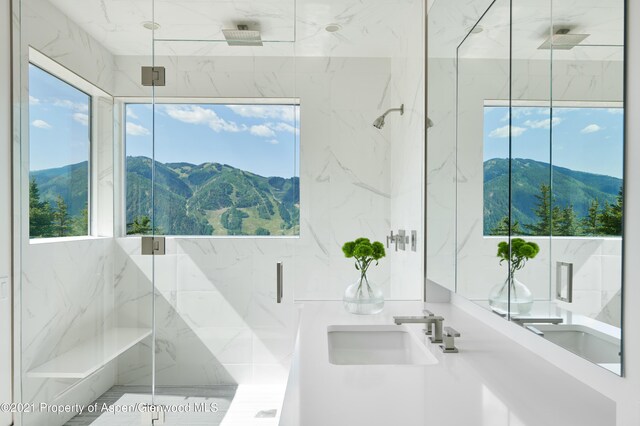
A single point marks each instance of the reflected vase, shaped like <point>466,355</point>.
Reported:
<point>511,297</point>
<point>363,297</point>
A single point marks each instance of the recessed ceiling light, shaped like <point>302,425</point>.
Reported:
<point>477,29</point>
<point>150,25</point>
<point>332,28</point>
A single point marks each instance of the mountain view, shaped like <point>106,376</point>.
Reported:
<point>579,191</point>
<point>190,199</point>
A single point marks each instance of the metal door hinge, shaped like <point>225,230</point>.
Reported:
<point>153,246</point>
<point>153,76</point>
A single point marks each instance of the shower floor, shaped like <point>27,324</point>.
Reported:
<point>171,396</point>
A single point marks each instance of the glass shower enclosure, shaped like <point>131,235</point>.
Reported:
<point>157,209</point>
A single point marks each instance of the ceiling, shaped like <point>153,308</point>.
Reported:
<point>194,27</point>
<point>533,20</point>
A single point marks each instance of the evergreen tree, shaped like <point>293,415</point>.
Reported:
<point>611,217</point>
<point>502,228</point>
<point>591,222</point>
<point>141,225</point>
<point>61,218</point>
<point>543,212</point>
<point>262,231</point>
<point>40,214</point>
<point>567,224</point>
<point>80,224</point>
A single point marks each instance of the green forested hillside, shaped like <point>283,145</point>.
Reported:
<point>212,199</point>
<point>570,188</point>
<point>69,181</point>
<point>190,199</point>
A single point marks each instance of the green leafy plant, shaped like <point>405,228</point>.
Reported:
<point>365,253</point>
<point>517,253</point>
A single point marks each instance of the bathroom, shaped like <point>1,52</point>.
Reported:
<point>186,185</point>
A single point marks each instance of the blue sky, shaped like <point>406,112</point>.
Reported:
<point>59,122</point>
<point>259,138</point>
<point>262,139</point>
<point>584,139</point>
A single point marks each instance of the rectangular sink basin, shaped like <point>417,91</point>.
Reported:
<point>376,345</point>
<point>597,347</point>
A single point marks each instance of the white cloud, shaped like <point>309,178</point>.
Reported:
<point>81,118</point>
<point>136,130</point>
<point>131,114</point>
<point>591,128</point>
<point>33,100</point>
<point>519,112</point>
<point>194,114</point>
<point>543,124</point>
<point>503,132</point>
<point>274,141</point>
<point>76,106</point>
<point>280,112</point>
<point>282,127</point>
<point>40,124</point>
<point>262,131</point>
<point>615,111</point>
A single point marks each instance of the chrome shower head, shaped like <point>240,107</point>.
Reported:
<point>379,122</point>
<point>242,36</point>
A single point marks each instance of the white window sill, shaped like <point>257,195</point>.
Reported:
<point>57,240</point>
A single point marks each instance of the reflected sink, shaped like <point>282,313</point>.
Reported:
<point>376,345</point>
<point>591,344</point>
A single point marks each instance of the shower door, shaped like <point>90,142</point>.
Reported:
<point>226,203</point>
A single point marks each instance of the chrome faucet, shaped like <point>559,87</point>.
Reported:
<point>427,320</point>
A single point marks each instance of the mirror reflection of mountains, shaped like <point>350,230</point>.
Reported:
<point>190,199</point>
<point>569,187</point>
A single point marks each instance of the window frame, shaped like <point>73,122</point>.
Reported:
<point>65,75</point>
<point>121,103</point>
<point>488,103</point>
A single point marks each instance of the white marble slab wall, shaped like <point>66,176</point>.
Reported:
<point>48,30</point>
<point>407,144</point>
<point>67,295</point>
<point>597,261</point>
<point>218,321</point>
<point>441,173</point>
<point>66,286</point>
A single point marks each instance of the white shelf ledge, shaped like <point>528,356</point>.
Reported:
<point>91,355</point>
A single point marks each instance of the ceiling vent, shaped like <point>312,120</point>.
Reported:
<point>242,36</point>
<point>563,40</point>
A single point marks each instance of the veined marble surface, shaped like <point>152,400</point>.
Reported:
<point>492,381</point>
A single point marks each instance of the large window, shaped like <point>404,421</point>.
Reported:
<point>59,151</point>
<point>220,169</point>
<point>566,170</point>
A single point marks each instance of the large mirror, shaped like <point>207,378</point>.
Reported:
<point>528,157</point>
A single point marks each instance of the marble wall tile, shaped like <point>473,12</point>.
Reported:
<point>49,31</point>
<point>218,295</point>
<point>66,287</point>
<point>407,153</point>
<point>67,299</point>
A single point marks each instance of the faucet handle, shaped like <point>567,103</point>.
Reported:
<point>428,312</point>
<point>391,239</point>
<point>451,332</point>
<point>448,341</point>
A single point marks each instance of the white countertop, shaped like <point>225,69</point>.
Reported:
<point>493,381</point>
